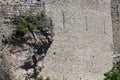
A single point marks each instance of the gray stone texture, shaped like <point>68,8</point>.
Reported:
<point>21,57</point>
<point>86,36</point>
<point>83,42</point>
<point>115,13</point>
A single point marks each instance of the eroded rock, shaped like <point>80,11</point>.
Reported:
<point>23,54</point>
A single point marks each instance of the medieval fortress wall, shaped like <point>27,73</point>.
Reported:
<point>83,42</point>
<point>12,9</point>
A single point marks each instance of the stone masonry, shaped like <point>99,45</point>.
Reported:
<point>86,38</point>
<point>83,42</point>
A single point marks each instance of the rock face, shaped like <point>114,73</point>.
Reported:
<point>21,56</point>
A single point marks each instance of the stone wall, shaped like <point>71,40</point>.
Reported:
<point>83,42</point>
<point>21,9</point>
<point>115,12</point>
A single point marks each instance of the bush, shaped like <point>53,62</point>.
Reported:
<point>21,24</point>
<point>42,78</point>
<point>24,23</point>
<point>113,74</point>
<point>38,17</point>
<point>22,27</point>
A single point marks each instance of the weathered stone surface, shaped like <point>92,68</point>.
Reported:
<point>115,12</point>
<point>82,47</point>
<point>85,39</point>
<point>21,56</point>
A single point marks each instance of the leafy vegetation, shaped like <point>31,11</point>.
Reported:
<point>42,78</point>
<point>113,74</point>
<point>22,27</point>
<point>38,17</point>
<point>26,23</point>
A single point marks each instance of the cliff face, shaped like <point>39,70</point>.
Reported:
<point>26,35</point>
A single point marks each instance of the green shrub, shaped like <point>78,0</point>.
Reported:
<point>38,17</point>
<point>27,23</point>
<point>21,27</point>
<point>42,78</point>
<point>21,24</point>
<point>48,78</point>
<point>113,74</point>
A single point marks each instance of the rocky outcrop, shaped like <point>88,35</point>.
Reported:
<point>22,56</point>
